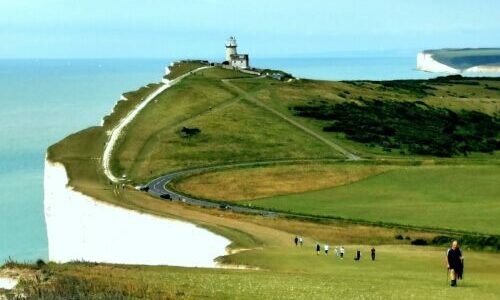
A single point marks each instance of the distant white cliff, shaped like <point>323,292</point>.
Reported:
<point>81,228</point>
<point>426,63</point>
<point>456,61</point>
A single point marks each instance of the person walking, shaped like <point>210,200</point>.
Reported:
<point>358,255</point>
<point>318,248</point>
<point>301,241</point>
<point>455,263</point>
<point>342,252</point>
<point>373,253</point>
<point>326,249</point>
<point>296,240</point>
<point>336,251</point>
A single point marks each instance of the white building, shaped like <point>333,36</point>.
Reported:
<point>234,59</point>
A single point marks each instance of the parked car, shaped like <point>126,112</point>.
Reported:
<point>224,206</point>
<point>166,196</point>
<point>143,188</point>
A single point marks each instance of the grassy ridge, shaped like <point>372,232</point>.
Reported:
<point>231,130</point>
<point>455,95</point>
<point>402,271</point>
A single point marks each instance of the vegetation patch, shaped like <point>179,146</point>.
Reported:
<point>482,242</point>
<point>409,126</point>
<point>252,183</point>
<point>189,132</point>
<point>448,197</point>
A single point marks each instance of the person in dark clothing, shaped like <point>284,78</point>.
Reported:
<point>296,240</point>
<point>455,263</point>
<point>373,253</point>
<point>318,248</point>
<point>358,255</point>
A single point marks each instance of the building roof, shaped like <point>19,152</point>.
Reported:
<point>239,56</point>
<point>231,42</point>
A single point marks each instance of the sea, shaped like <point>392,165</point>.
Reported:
<point>44,100</point>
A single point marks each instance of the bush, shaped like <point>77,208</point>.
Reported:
<point>189,132</point>
<point>411,127</point>
<point>398,237</point>
<point>40,263</point>
<point>491,242</point>
<point>419,242</point>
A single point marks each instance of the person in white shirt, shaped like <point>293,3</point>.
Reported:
<point>342,252</point>
<point>326,249</point>
<point>301,241</point>
<point>336,251</point>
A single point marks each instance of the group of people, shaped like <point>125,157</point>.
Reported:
<point>338,251</point>
<point>453,257</point>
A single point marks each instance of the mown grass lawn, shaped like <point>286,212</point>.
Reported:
<point>454,197</point>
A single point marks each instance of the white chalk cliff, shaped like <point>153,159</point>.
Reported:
<point>425,62</point>
<point>81,228</point>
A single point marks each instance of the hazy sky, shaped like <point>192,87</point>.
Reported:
<point>198,28</point>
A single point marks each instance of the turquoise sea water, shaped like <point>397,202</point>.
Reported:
<point>348,68</point>
<point>42,101</point>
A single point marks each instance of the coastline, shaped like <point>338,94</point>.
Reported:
<point>80,228</point>
<point>426,63</point>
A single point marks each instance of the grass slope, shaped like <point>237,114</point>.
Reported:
<point>479,94</point>
<point>402,271</point>
<point>232,130</point>
<point>266,181</point>
<point>453,197</point>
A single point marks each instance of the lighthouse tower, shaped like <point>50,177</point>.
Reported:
<point>231,48</point>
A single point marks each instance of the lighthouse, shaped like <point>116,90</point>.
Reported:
<point>231,48</point>
<point>239,61</point>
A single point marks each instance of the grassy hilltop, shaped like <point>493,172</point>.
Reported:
<point>384,195</point>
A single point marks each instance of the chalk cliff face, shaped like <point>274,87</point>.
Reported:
<point>81,228</point>
<point>425,62</point>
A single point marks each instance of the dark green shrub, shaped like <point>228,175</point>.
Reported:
<point>419,242</point>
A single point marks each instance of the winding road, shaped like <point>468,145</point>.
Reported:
<point>159,186</point>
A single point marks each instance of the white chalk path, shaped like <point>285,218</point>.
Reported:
<point>7,283</point>
<point>118,129</point>
<point>80,228</point>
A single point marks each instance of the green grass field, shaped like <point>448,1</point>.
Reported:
<point>399,272</point>
<point>453,197</point>
<point>403,190</point>
<point>232,130</point>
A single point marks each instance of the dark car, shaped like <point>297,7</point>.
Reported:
<point>166,196</point>
<point>224,206</point>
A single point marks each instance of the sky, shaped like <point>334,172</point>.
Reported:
<point>263,28</point>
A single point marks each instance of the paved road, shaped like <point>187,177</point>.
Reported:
<point>335,146</point>
<point>158,186</point>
